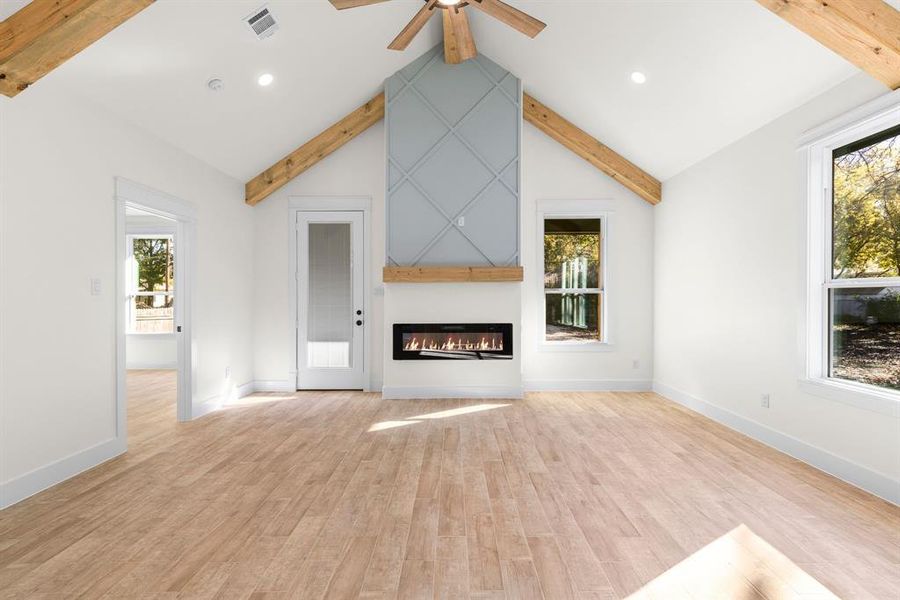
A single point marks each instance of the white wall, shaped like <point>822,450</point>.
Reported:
<point>357,169</point>
<point>729,297</point>
<point>550,172</point>
<point>151,351</point>
<point>58,160</point>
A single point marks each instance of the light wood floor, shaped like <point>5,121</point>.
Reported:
<point>345,495</point>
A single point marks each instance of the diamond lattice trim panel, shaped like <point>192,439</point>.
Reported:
<point>454,146</point>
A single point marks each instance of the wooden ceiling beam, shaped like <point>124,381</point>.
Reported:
<point>564,132</point>
<point>864,32</point>
<point>46,33</point>
<point>591,150</point>
<point>304,157</point>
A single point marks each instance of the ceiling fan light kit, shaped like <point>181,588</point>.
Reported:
<point>459,45</point>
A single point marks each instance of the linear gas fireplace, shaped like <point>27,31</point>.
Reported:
<point>453,341</point>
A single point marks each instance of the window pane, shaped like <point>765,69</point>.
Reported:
<point>865,335</point>
<point>154,314</point>
<point>155,261</point>
<point>330,320</point>
<point>572,317</point>
<point>866,208</point>
<point>572,253</point>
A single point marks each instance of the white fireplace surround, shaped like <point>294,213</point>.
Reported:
<point>452,303</point>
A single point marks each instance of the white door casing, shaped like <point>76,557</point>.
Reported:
<point>331,311</point>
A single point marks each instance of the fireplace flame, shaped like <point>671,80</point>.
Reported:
<point>492,342</point>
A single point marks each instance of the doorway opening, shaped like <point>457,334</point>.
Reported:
<point>154,367</point>
<point>151,353</point>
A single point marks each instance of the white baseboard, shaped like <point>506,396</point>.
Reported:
<point>145,366</point>
<point>274,385</point>
<point>428,392</point>
<point>587,385</point>
<point>215,403</point>
<point>204,408</point>
<point>246,389</point>
<point>29,484</point>
<point>845,470</point>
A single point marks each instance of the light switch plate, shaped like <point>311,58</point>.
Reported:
<point>96,286</point>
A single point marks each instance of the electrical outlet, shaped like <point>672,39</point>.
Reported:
<point>227,372</point>
<point>96,286</point>
<point>635,364</point>
<point>765,401</point>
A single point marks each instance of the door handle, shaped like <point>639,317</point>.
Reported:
<point>359,322</point>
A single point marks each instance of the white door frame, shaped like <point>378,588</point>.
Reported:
<point>298,204</point>
<point>131,194</point>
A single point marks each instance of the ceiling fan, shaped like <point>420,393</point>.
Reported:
<point>458,42</point>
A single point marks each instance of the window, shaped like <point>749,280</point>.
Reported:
<point>151,285</point>
<point>853,300</point>
<point>573,278</point>
<point>863,286</point>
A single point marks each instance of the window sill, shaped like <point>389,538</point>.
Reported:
<point>575,347</point>
<point>862,396</point>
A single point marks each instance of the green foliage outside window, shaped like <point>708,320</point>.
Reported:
<point>156,264</point>
<point>866,216</point>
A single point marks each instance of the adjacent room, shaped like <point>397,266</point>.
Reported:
<point>450,299</point>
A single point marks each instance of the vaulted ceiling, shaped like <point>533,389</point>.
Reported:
<point>716,71</point>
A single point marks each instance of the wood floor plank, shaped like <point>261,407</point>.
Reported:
<point>416,580</point>
<point>590,496</point>
<point>551,570</point>
<point>521,580</point>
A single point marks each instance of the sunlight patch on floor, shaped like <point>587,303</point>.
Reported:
<point>443,414</point>
<point>391,425</point>
<point>738,565</point>
<point>463,410</point>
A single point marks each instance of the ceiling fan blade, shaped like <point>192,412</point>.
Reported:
<point>413,27</point>
<point>513,17</point>
<point>459,45</point>
<point>342,4</point>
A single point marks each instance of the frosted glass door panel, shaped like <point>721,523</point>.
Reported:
<point>331,315</point>
<point>330,318</point>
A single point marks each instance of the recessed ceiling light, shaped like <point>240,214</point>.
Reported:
<point>448,2</point>
<point>638,77</point>
<point>265,79</point>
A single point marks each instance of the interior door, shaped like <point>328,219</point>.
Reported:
<point>330,332</point>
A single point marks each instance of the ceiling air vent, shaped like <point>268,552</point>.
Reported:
<point>262,23</point>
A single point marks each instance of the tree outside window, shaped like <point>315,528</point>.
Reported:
<point>152,284</point>
<point>572,280</point>
<point>863,296</point>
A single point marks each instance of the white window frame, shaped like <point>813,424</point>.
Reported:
<point>576,209</point>
<point>870,119</point>
<point>131,283</point>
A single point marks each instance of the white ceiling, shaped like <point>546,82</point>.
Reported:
<point>8,7</point>
<point>716,71</point>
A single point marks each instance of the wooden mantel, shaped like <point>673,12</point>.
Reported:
<point>452,274</point>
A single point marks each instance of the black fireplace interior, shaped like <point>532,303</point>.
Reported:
<point>453,341</point>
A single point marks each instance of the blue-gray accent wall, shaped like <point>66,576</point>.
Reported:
<point>453,152</point>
